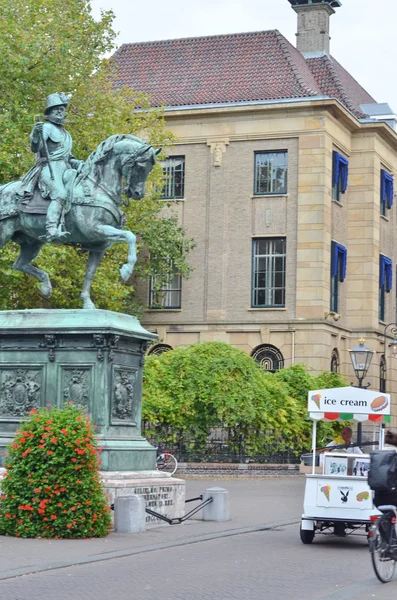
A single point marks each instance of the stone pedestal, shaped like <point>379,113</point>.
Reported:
<point>92,358</point>
<point>161,492</point>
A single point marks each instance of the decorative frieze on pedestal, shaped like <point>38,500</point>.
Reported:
<point>92,358</point>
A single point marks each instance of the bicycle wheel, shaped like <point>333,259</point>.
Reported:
<point>382,562</point>
<point>168,463</point>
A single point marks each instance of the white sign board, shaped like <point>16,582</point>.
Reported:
<point>349,400</point>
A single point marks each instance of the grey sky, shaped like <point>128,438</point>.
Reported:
<point>363,32</point>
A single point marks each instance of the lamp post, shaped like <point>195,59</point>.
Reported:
<point>361,358</point>
<point>393,344</point>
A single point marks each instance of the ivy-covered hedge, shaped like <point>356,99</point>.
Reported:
<point>52,487</point>
<point>189,391</point>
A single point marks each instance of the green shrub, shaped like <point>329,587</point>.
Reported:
<point>191,390</point>
<point>52,487</point>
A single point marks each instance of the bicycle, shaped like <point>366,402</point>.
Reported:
<point>167,462</point>
<point>383,542</point>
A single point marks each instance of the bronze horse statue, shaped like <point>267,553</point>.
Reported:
<point>92,216</point>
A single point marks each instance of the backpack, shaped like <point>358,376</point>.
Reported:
<point>382,475</point>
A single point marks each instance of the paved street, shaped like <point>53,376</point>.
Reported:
<point>256,565</point>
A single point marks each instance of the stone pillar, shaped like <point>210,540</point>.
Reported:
<point>129,514</point>
<point>218,509</point>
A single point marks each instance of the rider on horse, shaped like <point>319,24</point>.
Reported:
<point>53,145</point>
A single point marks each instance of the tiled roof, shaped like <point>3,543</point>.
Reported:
<point>225,68</point>
<point>334,81</point>
<point>239,67</point>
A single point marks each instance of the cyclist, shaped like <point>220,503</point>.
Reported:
<point>389,497</point>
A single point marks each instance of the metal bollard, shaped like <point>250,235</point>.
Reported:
<point>218,509</point>
<point>129,514</point>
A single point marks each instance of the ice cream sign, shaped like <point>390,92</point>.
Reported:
<point>349,400</point>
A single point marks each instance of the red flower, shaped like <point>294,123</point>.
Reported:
<point>49,452</point>
<point>8,516</point>
<point>73,459</point>
<point>37,490</point>
<point>54,440</point>
<point>68,525</point>
<point>53,517</point>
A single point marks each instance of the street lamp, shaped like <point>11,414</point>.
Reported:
<point>393,343</point>
<point>361,357</point>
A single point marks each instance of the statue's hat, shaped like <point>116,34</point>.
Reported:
<point>55,100</point>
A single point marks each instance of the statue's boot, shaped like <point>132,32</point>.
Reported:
<point>52,226</point>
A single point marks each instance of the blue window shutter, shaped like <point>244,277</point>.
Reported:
<point>335,168</point>
<point>389,190</point>
<point>343,265</point>
<point>340,166</point>
<point>338,257</point>
<point>386,188</point>
<point>385,273</point>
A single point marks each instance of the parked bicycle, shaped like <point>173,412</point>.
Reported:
<point>167,462</point>
<point>383,542</point>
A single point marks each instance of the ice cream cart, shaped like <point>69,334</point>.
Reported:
<point>337,497</point>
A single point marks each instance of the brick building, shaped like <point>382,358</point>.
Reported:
<point>283,174</point>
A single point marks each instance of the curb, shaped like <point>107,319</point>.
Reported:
<point>123,553</point>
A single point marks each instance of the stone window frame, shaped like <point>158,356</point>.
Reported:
<point>169,295</point>
<point>267,355</point>
<point>263,190</point>
<point>271,287</point>
<point>174,178</point>
<point>335,362</point>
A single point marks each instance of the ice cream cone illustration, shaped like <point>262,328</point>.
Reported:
<point>316,399</point>
<point>326,490</point>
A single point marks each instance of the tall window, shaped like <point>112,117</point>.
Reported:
<point>340,173</point>
<point>271,170</point>
<point>385,283</point>
<point>334,367</point>
<point>386,191</point>
<point>166,293</point>
<point>338,273</point>
<point>174,177</point>
<point>382,374</point>
<point>268,272</point>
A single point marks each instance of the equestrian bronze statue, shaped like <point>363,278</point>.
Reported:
<point>64,200</point>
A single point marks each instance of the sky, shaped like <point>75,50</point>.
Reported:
<point>363,32</point>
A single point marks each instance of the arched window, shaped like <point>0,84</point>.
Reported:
<point>334,361</point>
<point>382,374</point>
<point>159,349</point>
<point>269,357</point>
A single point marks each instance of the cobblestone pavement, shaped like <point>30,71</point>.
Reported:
<point>256,566</point>
<point>179,563</point>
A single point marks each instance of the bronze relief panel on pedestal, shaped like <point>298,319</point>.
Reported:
<point>21,390</point>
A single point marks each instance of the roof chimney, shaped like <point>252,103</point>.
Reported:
<point>313,24</point>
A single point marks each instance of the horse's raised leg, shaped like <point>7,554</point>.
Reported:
<point>112,234</point>
<point>29,251</point>
<point>94,258</point>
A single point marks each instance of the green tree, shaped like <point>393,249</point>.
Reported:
<point>299,382</point>
<point>191,390</point>
<point>53,45</point>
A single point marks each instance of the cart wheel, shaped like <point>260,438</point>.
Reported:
<point>307,535</point>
